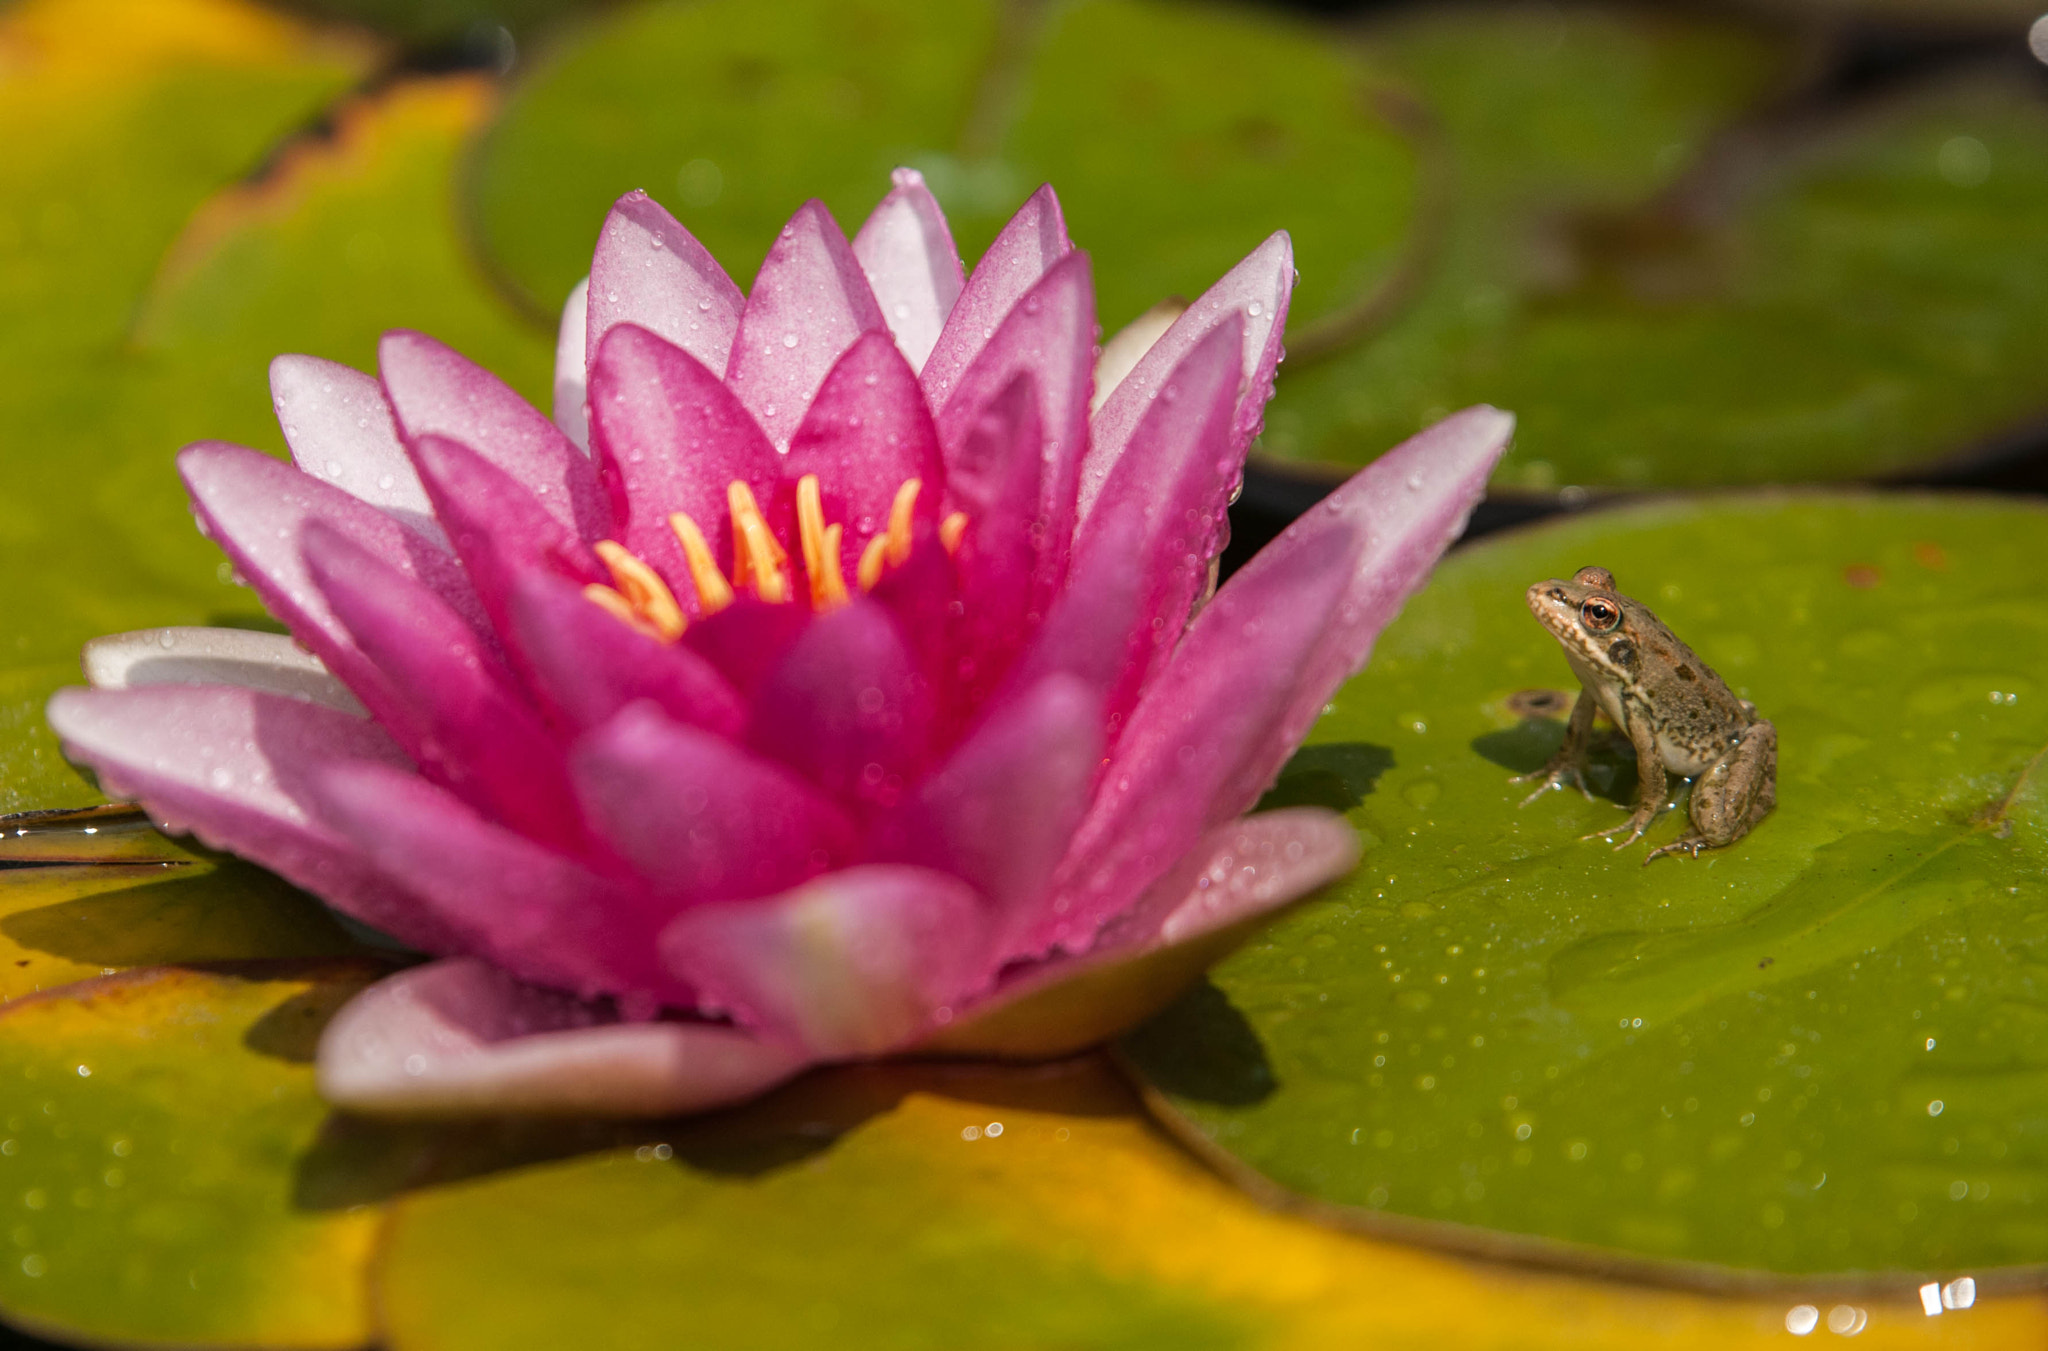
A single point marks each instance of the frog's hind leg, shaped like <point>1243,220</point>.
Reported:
<point>1731,797</point>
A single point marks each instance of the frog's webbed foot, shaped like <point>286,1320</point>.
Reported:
<point>1638,822</point>
<point>1689,846</point>
<point>1555,775</point>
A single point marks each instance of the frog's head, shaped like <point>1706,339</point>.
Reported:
<point>1592,620</point>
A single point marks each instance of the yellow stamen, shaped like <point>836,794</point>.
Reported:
<point>757,558</point>
<point>951,529</point>
<point>899,522</point>
<point>820,545</point>
<point>714,593</point>
<point>643,589</point>
<point>619,608</point>
<point>871,558</point>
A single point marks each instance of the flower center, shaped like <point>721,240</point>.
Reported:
<point>640,598</point>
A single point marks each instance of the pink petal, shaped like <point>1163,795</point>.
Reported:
<point>1027,248</point>
<point>996,478</point>
<point>866,434</point>
<point>461,1038</point>
<point>444,696</point>
<point>340,430</point>
<point>529,910</point>
<point>669,437</point>
<point>907,252</point>
<point>586,665</point>
<point>1257,291</point>
<point>1001,811</point>
<point>700,818</point>
<point>650,271</point>
<point>847,708</point>
<point>746,641</point>
<point>257,509</point>
<point>1051,335</point>
<point>498,529</point>
<point>1231,881</point>
<point>572,374</point>
<point>1263,657</point>
<point>436,391</point>
<point>251,658</point>
<point>1144,556</point>
<point>853,963</point>
<point>809,302</point>
<point>234,767</point>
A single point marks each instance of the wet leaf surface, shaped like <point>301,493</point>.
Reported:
<point>1819,1050</point>
<point>935,1206</point>
<point>157,1142</point>
<point>1236,123</point>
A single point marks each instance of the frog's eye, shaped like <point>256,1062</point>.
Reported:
<point>1600,614</point>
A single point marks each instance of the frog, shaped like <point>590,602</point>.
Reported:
<point>1678,715</point>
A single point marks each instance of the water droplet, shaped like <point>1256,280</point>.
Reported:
<point>704,304</point>
<point>1255,309</point>
<point>221,777</point>
<point>334,469</point>
<point>789,340</point>
<point>386,481</point>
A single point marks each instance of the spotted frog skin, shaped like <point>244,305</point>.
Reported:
<point>1677,714</point>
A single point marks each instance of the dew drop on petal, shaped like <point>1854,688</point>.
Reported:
<point>1255,309</point>
<point>789,340</point>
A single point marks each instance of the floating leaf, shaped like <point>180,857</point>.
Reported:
<point>1664,300</point>
<point>1177,137</point>
<point>915,1207</point>
<point>158,1154</point>
<point>1819,1050</point>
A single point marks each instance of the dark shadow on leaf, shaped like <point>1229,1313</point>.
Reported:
<point>1528,746</point>
<point>229,913</point>
<point>243,619</point>
<point>291,1031</point>
<point>1337,774</point>
<point>1202,1048</point>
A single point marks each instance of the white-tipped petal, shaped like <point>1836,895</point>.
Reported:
<point>459,1037</point>
<point>248,658</point>
<point>341,431</point>
<point>907,252</point>
<point>572,378</point>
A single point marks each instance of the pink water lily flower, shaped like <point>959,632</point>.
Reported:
<point>835,674</point>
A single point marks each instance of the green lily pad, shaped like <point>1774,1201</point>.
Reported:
<point>1819,1050</point>
<point>1177,136</point>
<point>1666,300</point>
<point>158,1158</point>
<point>946,1206</point>
<point>143,291</point>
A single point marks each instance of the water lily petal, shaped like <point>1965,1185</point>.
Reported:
<point>853,963</point>
<point>847,707</point>
<point>1144,556</point>
<point>498,529</point>
<point>458,1038</point>
<point>586,665</point>
<point>530,910</point>
<point>1127,346</point>
<point>1257,291</point>
<point>340,430</point>
<point>234,766</point>
<point>444,696</point>
<point>745,641</point>
<point>257,509</point>
<point>436,391</point>
<point>572,374</point>
<point>810,301</point>
<point>700,818</point>
<point>866,433</point>
<point>669,436</point>
<point>996,480</point>
<point>251,658</point>
<point>1050,334</point>
<point>1228,884</point>
<point>1264,655</point>
<point>1025,250</point>
<point>650,271</point>
<point>1002,809</point>
<point>907,252</point>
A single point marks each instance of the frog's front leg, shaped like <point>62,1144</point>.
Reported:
<point>1735,793</point>
<point>1570,760</point>
<point>1649,782</point>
